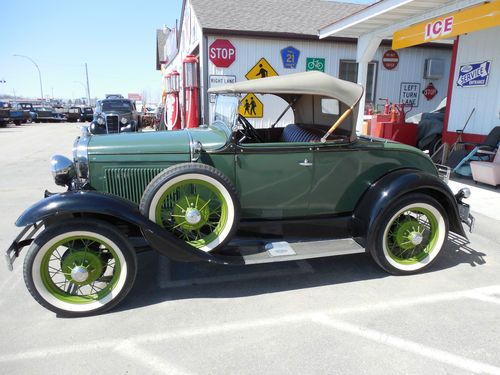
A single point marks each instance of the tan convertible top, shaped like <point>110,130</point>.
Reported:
<point>306,83</point>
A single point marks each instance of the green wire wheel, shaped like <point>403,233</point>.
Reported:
<point>80,267</point>
<point>410,234</point>
<point>195,202</point>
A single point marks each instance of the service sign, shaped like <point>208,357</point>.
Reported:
<point>409,93</point>
<point>474,75</point>
<point>290,56</point>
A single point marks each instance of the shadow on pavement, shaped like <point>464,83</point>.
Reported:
<point>323,271</point>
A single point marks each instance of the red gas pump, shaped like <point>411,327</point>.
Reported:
<point>173,110</point>
<point>191,114</point>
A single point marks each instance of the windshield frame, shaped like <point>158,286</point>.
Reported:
<point>226,111</point>
<point>105,106</point>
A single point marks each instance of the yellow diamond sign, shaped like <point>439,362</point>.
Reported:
<point>261,70</point>
<point>251,107</point>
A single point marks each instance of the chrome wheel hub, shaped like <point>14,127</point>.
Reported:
<point>416,238</point>
<point>193,216</point>
<point>79,274</point>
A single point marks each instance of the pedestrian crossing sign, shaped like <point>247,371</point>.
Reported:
<point>251,107</point>
<point>261,70</point>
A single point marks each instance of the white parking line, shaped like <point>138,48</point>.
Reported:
<point>484,293</point>
<point>151,361</point>
<point>484,298</point>
<point>409,346</point>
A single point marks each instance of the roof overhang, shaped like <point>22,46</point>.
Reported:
<point>385,17</point>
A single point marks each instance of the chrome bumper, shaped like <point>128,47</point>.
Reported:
<point>24,238</point>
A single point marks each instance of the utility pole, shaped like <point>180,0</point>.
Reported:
<point>88,88</point>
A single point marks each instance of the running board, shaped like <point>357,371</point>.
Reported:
<point>285,251</point>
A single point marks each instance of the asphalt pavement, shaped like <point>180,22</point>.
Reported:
<point>340,315</point>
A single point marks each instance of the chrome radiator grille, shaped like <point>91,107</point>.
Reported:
<point>129,183</point>
<point>112,124</point>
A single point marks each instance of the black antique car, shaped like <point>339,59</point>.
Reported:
<point>87,114</point>
<point>74,114</point>
<point>114,115</point>
<point>228,193</point>
<point>45,113</point>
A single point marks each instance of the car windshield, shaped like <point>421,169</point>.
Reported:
<point>26,105</point>
<point>226,110</point>
<point>116,106</point>
<point>87,110</point>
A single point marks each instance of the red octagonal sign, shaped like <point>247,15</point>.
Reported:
<point>222,53</point>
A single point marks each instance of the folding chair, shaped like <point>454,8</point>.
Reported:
<point>481,152</point>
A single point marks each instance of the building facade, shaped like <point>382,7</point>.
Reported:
<point>230,49</point>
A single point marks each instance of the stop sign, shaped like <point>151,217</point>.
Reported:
<point>390,59</point>
<point>222,53</point>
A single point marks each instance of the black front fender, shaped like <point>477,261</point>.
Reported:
<point>91,202</point>
<point>396,184</point>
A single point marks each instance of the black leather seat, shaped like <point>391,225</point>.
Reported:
<point>296,133</point>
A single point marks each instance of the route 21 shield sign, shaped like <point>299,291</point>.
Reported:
<point>474,75</point>
<point>290,56</point>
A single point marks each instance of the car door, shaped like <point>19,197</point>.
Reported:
<point>343,172</point>
<point>273,179</point>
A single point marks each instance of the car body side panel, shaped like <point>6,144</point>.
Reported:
<point>343,173</point>
<point>273,184</point>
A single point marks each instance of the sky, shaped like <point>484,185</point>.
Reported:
<point>116,38</point>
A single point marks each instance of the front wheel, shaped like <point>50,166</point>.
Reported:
<point>80,267</point>
<point>196,202</point>
<point>409,235</point>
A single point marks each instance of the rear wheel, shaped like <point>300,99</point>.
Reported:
<point>409,235</point>
<point>195,202</point>
<point>80,268</point>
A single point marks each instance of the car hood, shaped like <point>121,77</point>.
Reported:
<point>163,142</point>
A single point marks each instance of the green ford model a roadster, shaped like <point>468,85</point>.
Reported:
<point>228,193</point>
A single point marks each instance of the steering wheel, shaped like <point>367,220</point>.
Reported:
<point>248,130</point>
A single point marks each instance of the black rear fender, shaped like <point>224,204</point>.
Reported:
<point>60,206</point>
<point>394,185</point>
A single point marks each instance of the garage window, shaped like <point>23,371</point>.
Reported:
<point>349,72</point>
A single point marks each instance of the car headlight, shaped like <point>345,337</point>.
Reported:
<point>124,120</point>
<point>100,121</point>
<point>62,169</point>
<point>80,155</point>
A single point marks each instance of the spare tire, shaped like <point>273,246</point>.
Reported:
<point>196,202</point>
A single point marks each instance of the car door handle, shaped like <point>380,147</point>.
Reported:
<point>305,163</point>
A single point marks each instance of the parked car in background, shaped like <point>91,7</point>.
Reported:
<point>114,115</point>
<point>4,114</point>
<point>28,110</point>
<point>48,114</point>
<point>310,189</point>
<point>74,114</point>
<point>87,114</point>
<point>16,114</point>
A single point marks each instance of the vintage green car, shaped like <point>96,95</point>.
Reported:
<point>229,193</point>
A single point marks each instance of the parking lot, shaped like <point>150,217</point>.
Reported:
<point>323,316</point>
